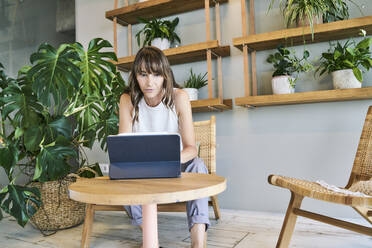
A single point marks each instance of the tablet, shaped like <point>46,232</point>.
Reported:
<point>144,155</point>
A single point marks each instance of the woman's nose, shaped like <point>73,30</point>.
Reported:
<point>150,79</point>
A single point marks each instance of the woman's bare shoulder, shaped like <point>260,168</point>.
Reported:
<point>180,95</point>
<point>181,100</point>
<point>125,101</point>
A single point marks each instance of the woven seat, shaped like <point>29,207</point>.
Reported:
<point>362,171</point>
<point>316,191</point>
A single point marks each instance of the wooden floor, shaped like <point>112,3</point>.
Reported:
<point>239,229</point>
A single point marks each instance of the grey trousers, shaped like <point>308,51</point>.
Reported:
<point>197,210</point>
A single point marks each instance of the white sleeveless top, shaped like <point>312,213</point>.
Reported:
<point>155,119</point>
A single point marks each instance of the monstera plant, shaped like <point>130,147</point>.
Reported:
<point>66,100</point>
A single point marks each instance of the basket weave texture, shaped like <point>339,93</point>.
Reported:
<point>57,210</point>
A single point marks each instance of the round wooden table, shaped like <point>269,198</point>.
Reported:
<point>145,192</point>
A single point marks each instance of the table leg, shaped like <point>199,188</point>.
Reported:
<point>150,226</point>
<point>87,228</point>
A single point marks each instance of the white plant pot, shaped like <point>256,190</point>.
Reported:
<point>160,43</point>
<point>345,79</point>
<point>142,0</point>
<point>281,85</point>
<point>192,92</point>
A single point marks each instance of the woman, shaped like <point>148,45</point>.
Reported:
<point>154,105</point>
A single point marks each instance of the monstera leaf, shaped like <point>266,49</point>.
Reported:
<point>54,73</point>
<point>4,80</point>
<point>21,100</point>
<point>108,126</point>
<point>51,163</point>
<point>96,70</point>
<point>9,155</point>
<point>19,202</point>
<point>96,84</point>
<point>61,126</point>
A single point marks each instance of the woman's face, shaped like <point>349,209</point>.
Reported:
<point>151,84</point>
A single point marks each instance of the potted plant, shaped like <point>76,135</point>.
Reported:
<point>66,100</point>
<point>286,64</point>
<point>194,83</point>
<point>338,10</point>
<point>344,62</point>
<point>305,12</point>
<point>302,12</point>
<point>158,32</point>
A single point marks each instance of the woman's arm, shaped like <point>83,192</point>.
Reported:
<point>186,127</point>
<point>125,114</point>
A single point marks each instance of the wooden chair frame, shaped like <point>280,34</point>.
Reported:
<point>362,171</point>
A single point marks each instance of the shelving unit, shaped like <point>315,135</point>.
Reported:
<point>209,105</point>
<point>306,97</point>
<point>184,54</point>
<point>155,9</point>
<point>296,36</point>
<point>208,50</point>
<point>252,42</point>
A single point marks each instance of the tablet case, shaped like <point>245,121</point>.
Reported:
<point>144,155</point>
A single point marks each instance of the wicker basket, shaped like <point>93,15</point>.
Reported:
<point>57,210</point>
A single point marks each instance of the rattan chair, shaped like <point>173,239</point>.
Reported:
<point>362,171</point>
<point>205,135</point>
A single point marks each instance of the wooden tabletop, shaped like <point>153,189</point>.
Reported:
<point>189,186</point>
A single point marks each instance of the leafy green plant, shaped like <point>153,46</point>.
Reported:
<point>338,10</point>
<point>351,55</point>
<point>157,28</point>
<point>285,62</point>
<point>65,101</point>
<point>196,81</point>
<point>295,10</point>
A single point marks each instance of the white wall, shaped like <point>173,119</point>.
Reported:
<point>311,141</point>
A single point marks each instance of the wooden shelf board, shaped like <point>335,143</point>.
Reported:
<point>211,105</point>
<point>183,54</point>
<point>155,8</point>
<point>296,36</point>
<point>306,97</point>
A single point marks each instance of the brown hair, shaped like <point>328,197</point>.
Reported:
<point>152,60</point>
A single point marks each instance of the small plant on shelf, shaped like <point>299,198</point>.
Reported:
<point>302,11</point>
<point>286,64</point>
<point>338,10</point>
<point>344,62</point>
<point>194,83</point>
<point>305,12</point>
<point>158,32</point>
